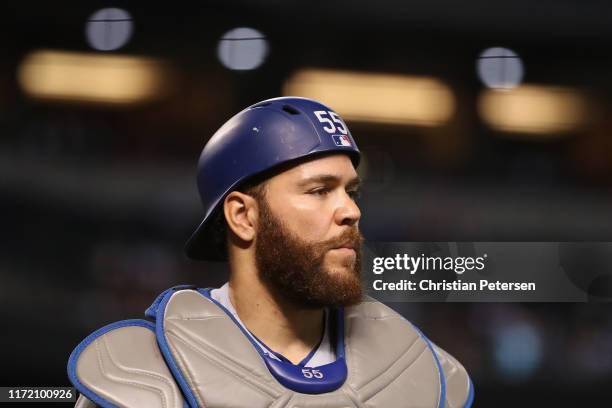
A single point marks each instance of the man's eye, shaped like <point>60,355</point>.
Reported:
<point>355,194</point>
<point>320,191</point>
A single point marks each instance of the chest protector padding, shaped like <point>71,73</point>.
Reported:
<point>121,365</point>
<point>389,363</point>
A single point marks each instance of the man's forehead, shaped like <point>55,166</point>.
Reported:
<point>337,165</point>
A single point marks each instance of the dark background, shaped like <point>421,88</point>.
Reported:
<point>97,200</point>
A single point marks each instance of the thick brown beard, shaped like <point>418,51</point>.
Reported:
<point>293,269</point>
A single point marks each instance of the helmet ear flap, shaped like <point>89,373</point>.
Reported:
<point>208,242</point>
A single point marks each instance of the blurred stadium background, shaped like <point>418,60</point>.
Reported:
<point>479,121</point>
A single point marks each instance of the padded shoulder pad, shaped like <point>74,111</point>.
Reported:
<point>459,388</point>
<point>121,365</point>
<point>384,349</point>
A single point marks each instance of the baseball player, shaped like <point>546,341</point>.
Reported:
<point>291,327</point>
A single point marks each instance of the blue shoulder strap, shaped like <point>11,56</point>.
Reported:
<point>470,399</point>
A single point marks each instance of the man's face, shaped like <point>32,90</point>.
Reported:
<point>308,245</point>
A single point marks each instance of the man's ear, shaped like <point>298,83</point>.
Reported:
<point>241,214</point>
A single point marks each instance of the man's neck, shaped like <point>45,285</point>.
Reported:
<point>280,325</point>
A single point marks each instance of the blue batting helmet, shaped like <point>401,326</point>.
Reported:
<point>258,140</point>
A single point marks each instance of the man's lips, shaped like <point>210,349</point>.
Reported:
<point>347,249</point>
<point>347,246</point>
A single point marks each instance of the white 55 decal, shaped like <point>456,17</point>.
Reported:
<point>311,373</point>
<point>333,124</point>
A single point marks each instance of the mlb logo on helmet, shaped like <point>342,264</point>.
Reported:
<point>341,140</point>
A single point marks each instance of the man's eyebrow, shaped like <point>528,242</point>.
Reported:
<point>354,183</point>
<point>330,178</point>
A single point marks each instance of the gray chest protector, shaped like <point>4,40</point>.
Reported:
<point>196,355</point>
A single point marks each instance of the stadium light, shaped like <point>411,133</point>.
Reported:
<point>378,98</point>
<point>89,77</point>
<point>533,109</point>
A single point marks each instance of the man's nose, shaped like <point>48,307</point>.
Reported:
<point>348,212</point>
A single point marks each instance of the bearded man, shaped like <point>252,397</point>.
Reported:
<point>292,327</point>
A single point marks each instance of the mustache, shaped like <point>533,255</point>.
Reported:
<point>351,236</point>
